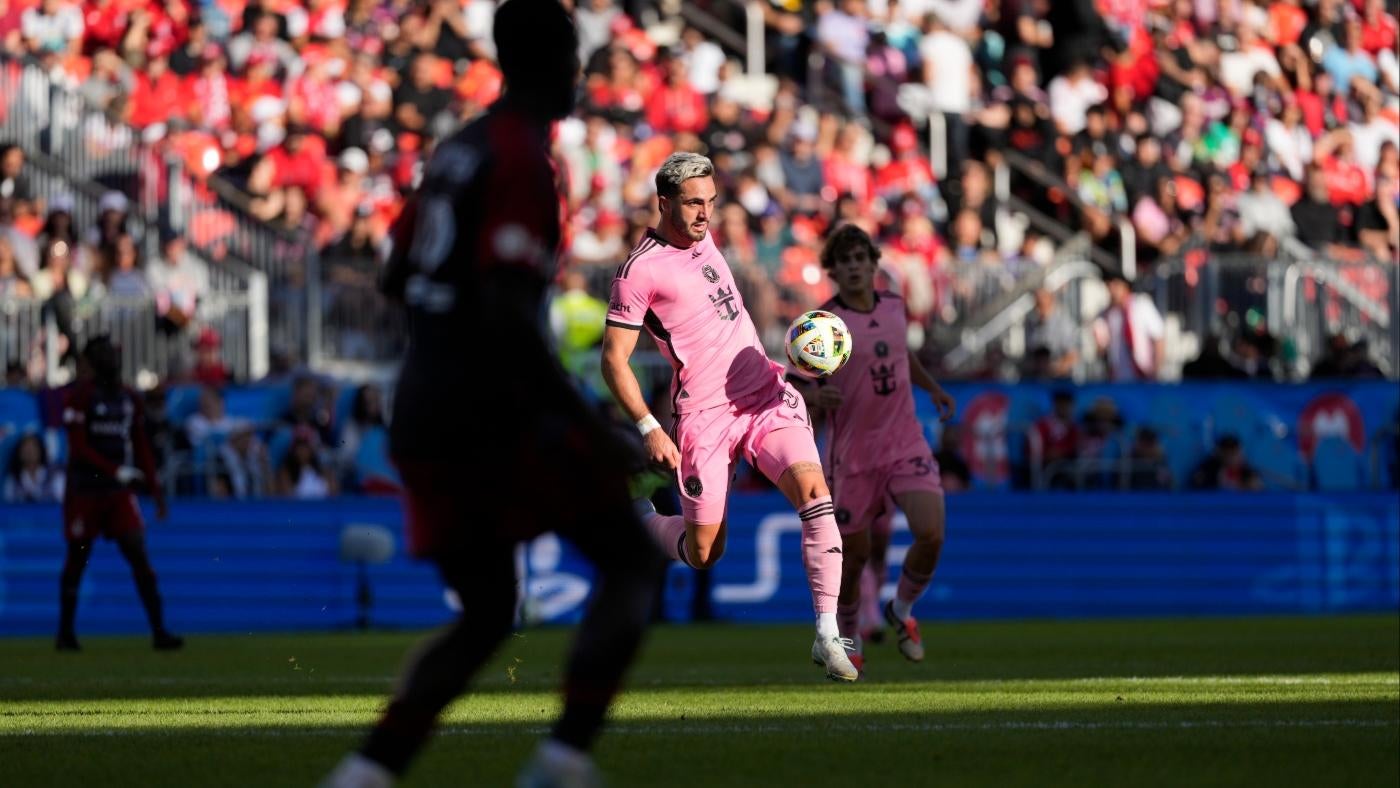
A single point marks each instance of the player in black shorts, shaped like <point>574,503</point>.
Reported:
<point>494,444</point>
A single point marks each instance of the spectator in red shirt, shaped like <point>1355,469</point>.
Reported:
<point>104,23</point>
<point>1378,28</point>
<point>159,91</point>
<point>313,101</point>
<point>1052,439</point>
<point>212,91</point>
<point>621,86</point>
<point>676,107</point>
<point>907,172</point>
<point>1346,181</point>
<point>295,163</point>
<point>846,171</point>
<point>209,368</point>
<point>259,82</point>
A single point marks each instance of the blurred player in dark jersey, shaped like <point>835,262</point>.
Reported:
<point>494,444</point>
<point>109,455</point>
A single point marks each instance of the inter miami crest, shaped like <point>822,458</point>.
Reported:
<point>882,349</point>
<point>711,275</point>
<point>882,378</point>
<point>693,487</point>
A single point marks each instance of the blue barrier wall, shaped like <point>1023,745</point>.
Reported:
<point>275,565</point>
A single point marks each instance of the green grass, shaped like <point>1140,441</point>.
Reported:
<point>1309,702</point>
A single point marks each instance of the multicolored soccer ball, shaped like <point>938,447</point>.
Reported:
<point>818,343</point>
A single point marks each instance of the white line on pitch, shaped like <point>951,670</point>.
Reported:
<point>707,728</point>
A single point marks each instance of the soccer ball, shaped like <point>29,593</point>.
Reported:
<point>818,344</point>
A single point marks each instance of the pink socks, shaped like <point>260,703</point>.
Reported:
<point>821,552</point>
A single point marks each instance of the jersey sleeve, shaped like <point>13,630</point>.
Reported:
<point>630,300</point>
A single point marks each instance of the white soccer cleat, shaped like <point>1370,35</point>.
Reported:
<point>834,655</point>
<point>911,645</point>
<point>556,765</point>
<point>357,771</point>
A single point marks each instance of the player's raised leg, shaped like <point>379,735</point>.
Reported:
<point>787,454</point>
<point>925,510</point>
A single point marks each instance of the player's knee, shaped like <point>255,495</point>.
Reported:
<point>931,538</point>
<point>813,488</point>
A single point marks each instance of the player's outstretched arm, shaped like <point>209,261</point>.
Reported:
<point>618,344</point>
<point>921,377</point>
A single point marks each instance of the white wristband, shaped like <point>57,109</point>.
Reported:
<point>647,423</point>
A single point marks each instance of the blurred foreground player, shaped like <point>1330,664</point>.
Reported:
<point>728,397</point>
<point>499,452</point>
<point>877,455</point>
<point>109,454</point>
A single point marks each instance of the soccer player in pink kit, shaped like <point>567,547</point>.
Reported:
<point>729,398</point>
<point>876,452</point>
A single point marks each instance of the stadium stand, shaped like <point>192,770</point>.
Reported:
<point>213,182</point>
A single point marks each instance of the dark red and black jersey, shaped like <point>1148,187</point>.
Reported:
<point>473,258</point>
<point>106,430</point>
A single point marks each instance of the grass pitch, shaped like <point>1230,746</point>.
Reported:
<point>1277,702</point>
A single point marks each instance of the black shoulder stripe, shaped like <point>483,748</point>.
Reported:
<point>642,248</point>
<point>620,324</point>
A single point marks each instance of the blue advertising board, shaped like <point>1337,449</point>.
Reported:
<point>1284,429</point>
<point>268,566</point>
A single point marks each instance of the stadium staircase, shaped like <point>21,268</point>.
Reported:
<point>71,157</point>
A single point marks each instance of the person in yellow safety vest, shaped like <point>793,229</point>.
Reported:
<point>576,319</point>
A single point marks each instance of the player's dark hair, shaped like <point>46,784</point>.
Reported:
<point>104,358</point>
<point>843,240</point>
<point>531,36</point>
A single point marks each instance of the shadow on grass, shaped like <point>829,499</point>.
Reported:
<point>715,657</point>
<point>1304,744</point>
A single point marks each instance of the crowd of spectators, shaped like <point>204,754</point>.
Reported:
<point>46,256</point>
<point>324,442</point>
<point>1222,126</point>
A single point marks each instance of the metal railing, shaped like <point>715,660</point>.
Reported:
<point>1066,278</point>
<point>1042,177</point>
<point>31,336</point>
<point>1300,296</point>
<point>78,149</point>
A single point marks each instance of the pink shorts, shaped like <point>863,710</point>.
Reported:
<point>769,429</point>
<point>865,500</point>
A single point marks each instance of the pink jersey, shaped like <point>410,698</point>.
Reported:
<point>688,302</point>
<point>876,425</point>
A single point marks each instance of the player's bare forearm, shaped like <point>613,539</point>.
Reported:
<point>920,376</point>
<point>947,406</point>
<point>618,344</point>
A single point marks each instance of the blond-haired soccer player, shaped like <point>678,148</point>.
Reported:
<point>729,398</point>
